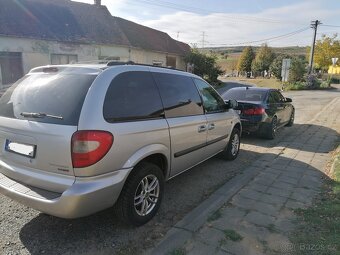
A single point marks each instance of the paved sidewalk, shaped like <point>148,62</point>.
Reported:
<point>253,213</point>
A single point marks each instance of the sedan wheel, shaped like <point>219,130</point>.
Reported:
<point>272,130</point>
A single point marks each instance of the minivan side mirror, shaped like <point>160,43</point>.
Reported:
<point>231,104</point>
<point>288,100</point>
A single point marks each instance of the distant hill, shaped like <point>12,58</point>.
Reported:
<point>292,50</point>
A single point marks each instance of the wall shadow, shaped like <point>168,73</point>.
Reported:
<point>304,137</point>
<point>102,233</point>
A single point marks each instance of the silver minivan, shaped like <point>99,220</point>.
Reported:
<point>76,139</point>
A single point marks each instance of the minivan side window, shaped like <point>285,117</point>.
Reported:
<point>132,96</point>
<point>211,99</point>
<point>179,95</point>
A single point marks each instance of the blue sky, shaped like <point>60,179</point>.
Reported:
<point>232,22</point>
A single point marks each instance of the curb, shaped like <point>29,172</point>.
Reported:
<point>184,229</point>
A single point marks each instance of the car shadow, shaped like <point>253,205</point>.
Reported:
<point>102,233</point>
<point>305,137</point>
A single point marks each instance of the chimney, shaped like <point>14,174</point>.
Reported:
<point>98,2</point>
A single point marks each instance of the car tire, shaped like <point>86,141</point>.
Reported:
<point>272,129</point>
<point>138,203</point>
<point>291,119</point>
<point>233,147</point>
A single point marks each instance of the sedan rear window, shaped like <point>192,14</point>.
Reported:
<point>245,95</point>
<point>55,98</point>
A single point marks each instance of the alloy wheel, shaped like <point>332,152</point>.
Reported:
<point>146,195</point>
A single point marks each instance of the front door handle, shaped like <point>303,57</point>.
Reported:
<point>211,126</point>
<point>202,128</point>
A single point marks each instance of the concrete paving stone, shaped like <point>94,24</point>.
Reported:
<point>274,200</point>
<point>248,193</point>
<point>284,225</point>
<point>314,172</point>
<point>245,247</point>
<point>266,208</point>
<point>268,157</point>
<point>222,252</point>
<point>307,200</point>
<point>279,243</point>
<point>298,164</point>
<point>283,185</point>
<point>317,165</point>
<point>292,175</point>
<point>292,204</point>
<point>287,179</point>
<point>282,161</point>
<point>259,219</point>
<point>242,202</point>
<point>209,236</point>
<point>308,184</point>
<point>258,187</point>
<point>199,248</point>
<point>250,230</point>
<point>278,167</point>
<point>263,181</point>
<point>279,192</point>
<point>230,218</point>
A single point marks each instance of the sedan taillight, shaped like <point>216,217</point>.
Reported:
<point>88,147</point>
<point>254,111</point>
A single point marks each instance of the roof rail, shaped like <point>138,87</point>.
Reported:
<point>120,63</point>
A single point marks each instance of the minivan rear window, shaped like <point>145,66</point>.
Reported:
<point>55,98</point>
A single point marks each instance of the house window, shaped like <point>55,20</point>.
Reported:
<point>157,63</point>
<point>61,59</point>
<point>171,61</point>
<point>10,67</point>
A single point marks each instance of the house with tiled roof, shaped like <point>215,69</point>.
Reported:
<point>41,32</point>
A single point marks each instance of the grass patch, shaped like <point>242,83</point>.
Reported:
<point>232,235</point>
<point>318,230</point>
<point>178,251</point>
<point>271,228</point>
<point>215,216</point>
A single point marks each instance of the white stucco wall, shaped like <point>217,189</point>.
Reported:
<point>38,52</point>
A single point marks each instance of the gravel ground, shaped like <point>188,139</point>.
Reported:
<point>26,231</point>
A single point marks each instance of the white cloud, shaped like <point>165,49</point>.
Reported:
<point>233,28</point>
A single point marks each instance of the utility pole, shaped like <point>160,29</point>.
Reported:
<point>314,24</point>
<point>178,34</point>
<point>203,39</point>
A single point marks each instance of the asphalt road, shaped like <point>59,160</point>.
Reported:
<point>27,231</point>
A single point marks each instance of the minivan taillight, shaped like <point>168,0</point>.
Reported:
<point>254,111</point>
<point>88,147</point>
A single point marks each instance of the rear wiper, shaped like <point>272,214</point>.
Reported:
<point>39,115</point>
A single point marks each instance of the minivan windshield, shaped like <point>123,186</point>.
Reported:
<point>55,97</point>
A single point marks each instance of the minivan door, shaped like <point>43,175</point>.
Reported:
<point>186,120</point>
<point>218,119</point>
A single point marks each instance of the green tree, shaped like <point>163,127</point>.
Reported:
<point>263,59</point>
<point>204,65</point>
<point>245,60</point>
<point>297,70</point>
<point>325,49</point>
<point>276,66</point>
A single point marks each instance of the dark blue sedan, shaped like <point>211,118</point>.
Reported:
<point>262,110</point>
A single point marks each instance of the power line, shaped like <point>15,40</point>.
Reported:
<point>263,40</point>
<point>325,25</point>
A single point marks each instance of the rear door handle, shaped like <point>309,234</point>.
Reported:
<point>202,128</point>
<point>211,126</point>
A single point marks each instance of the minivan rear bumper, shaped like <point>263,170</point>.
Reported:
<point>86,196</point>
